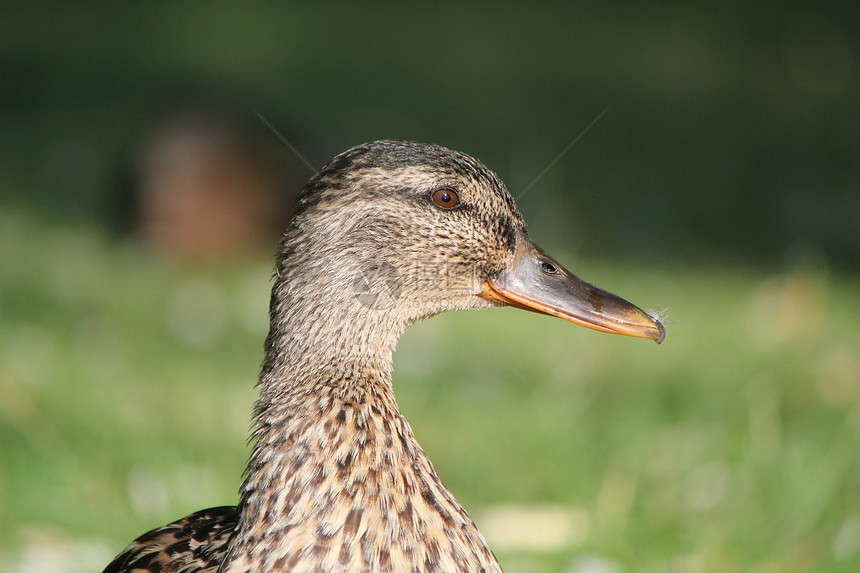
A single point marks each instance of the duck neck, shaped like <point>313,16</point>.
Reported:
<point>319,373</point>
<point>336,479</point>
<point>313,372</point>
<point>322,350</point>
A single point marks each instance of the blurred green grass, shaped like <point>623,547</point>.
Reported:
<point>126,384</point>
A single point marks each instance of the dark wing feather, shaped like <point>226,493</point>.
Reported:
<point>195,544</point>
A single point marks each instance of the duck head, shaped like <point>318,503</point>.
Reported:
<point>390,232</point>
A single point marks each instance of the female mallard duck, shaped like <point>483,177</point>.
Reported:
<point>386,234</point>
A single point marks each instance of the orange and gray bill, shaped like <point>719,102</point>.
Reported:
<point>535,281</point>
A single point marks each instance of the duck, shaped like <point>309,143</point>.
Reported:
<point>386,234</point>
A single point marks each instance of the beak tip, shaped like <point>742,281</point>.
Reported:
<point>661,330</point>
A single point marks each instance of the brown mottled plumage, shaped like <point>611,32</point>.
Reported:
<point>336,480</point>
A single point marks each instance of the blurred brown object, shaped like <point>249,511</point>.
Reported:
<point>210,185</point>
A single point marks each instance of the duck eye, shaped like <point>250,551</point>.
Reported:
<point>445,198</point>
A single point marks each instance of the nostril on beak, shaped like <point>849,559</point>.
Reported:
<point>548,268</point>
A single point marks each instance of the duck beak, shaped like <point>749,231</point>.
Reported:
<point>535,281</point>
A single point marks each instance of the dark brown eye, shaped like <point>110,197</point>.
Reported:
<point>445,198</point>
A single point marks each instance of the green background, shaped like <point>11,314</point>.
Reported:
<point>721,183</point>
